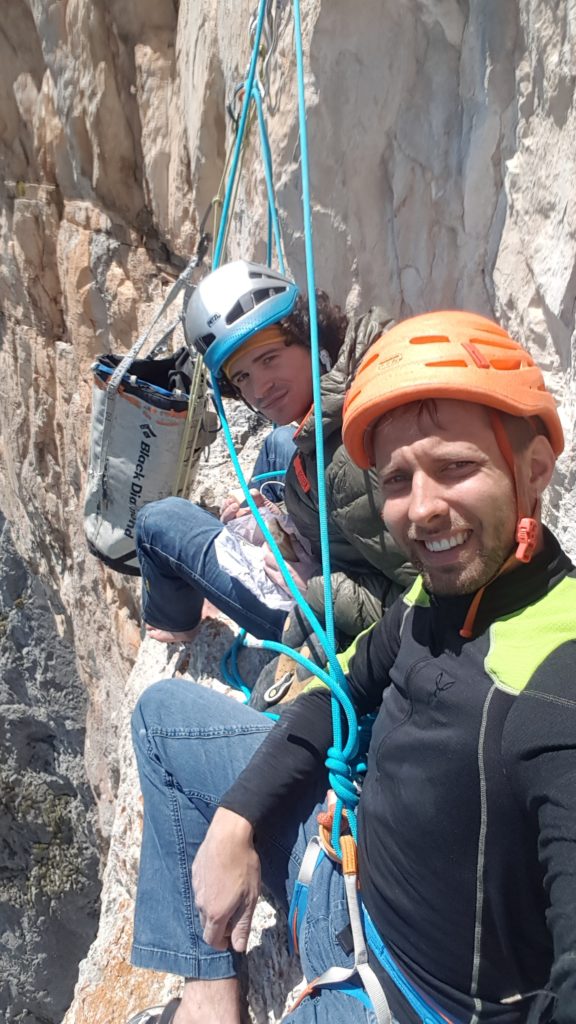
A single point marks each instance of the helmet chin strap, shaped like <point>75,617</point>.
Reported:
<point>527,525</point>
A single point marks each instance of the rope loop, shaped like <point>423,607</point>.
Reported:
<point>336,762</point>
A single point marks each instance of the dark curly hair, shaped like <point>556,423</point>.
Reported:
<point>332,324</point>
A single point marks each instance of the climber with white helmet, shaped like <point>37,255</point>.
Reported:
<point>466,820</point>
<point>251,325</point>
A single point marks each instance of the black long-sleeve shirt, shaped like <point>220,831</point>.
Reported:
<point>467,818</point>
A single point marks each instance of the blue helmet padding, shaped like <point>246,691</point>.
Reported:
<point>256,320</point>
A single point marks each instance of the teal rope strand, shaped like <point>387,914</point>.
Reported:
<point>339,782</point>
<point>311,284</point>
<point>295,593</point>
<point>274,223</point>
<point>336,750</point>
<point>338,767</point>
<point>239,137</point>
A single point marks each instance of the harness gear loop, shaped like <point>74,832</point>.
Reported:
<point>338,976</point>
<point>364,935</point>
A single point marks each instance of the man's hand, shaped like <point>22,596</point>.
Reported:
<point>300,570</point>
<point>226,881</point>
<point>232,507</point>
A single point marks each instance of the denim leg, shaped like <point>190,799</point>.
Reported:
<point>326,917</point>
<point>274,456</point>
<point>175,545</point>
<point>191,744</point>
<point>189,748</point>
<point>330,1006</point>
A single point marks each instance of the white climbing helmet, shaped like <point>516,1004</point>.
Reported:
<point>231,304</point>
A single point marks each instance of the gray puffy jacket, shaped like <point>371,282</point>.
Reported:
<point>368,571</point>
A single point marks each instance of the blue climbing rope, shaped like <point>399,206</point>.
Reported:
<point>274,223</point>
<point>273,475</point>
<point>229,665</point>
<point>342,752</point>
<point>239,136</point>
<point>337,755</point>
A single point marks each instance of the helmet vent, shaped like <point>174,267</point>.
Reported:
<point>495,342</point>
<point>244,305</point>
<point>267,293</point>
<point>205,340</point>
<point>507,364</point>
<point>429,339</point>
<point>249,300</point>
<point>448,362</point>
<point>259,274</point>
<point>371,358</point>
<point>478,356</point>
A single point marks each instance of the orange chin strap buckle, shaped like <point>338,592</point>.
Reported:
<point>526,535</point>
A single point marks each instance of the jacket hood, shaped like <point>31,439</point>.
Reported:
<point>360,334</point>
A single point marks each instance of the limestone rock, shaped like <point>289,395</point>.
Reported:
<point>443,142</point>
<point>107,988</point>
<point>49,885</point>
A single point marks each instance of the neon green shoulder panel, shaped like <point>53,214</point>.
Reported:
<point>417,595</point>
<point>343,660</point>
<point>521,642</point>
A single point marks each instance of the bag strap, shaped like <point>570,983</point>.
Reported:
<point>111,391</point>
<point>179,284</point>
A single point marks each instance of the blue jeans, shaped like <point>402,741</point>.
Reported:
<point>274,456</point>
<point>191,744</point>
<point>175,546</point>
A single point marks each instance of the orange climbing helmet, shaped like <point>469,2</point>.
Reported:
<point>445,354</point>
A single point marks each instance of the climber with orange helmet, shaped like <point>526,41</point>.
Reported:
<point>467,812</point>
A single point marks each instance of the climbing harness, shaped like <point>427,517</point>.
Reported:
<point>316,851</point>
<point>363,934</point>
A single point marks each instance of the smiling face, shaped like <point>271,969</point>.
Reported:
<point>448,496</point>
<point>275,379</point>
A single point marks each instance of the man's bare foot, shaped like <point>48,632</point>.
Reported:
<point>209,610</point>
<point>166,636</point>
<point>209,1002</point>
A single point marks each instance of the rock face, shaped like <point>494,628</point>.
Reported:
<point>49,885</point>
<point>442,139</point>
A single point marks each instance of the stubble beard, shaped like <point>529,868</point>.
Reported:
<point>453,581</point>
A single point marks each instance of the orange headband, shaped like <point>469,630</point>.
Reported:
<point>266,336</point>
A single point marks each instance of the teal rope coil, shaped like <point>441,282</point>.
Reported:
<point>338,762</point>
<point>229,665</point>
